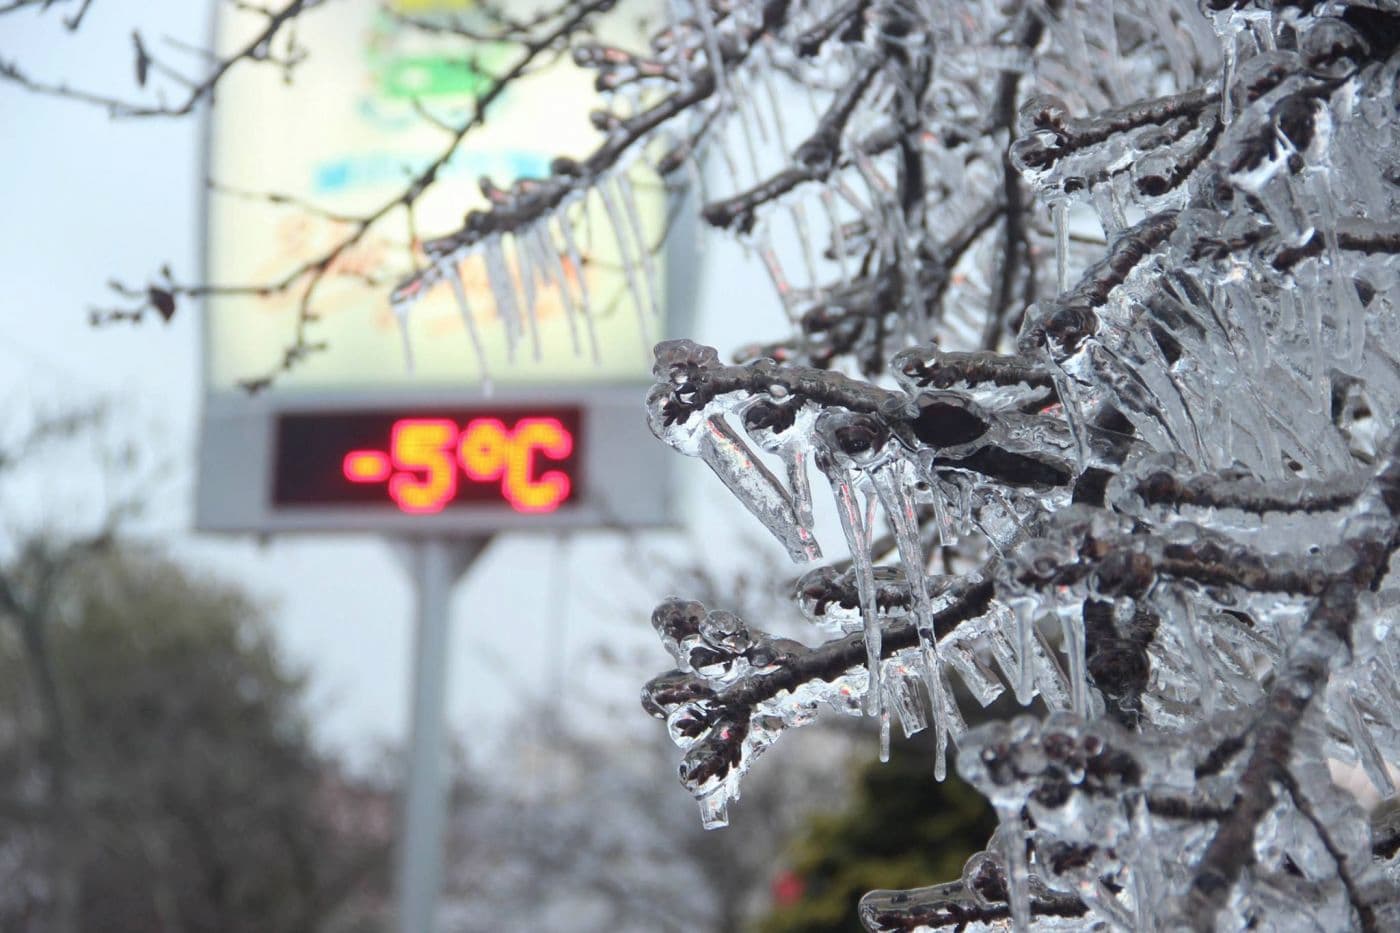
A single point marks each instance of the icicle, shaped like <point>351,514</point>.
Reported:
<point>714,810</point>
<point>1072,631</point>
<point>1351,315</point>
<point>1115,55</point>
<point>1050,680</point>
<point>1018,882</point>
<point>872,507</point>
<point>884,735</point>
<point>1002,623</point>
<point>838,236</point>
<point>1195,652</point>
<point>401,311</point>
<point>725,452</point>
<point>551,271</point>
<point>1059,213</point>
<point>1146,884</point>
<point>1025,650</point>
<point>975,676</point>
<point>566,230</point>
<point>764,76</point>
<point>629,265</point>
<point>1228,51</point>
<point>503,291</point>
<point>747,134</point>
<point>775,272</point>
<point>704,15</point>
<point>1372,761</point>
<point>634,220</point>
<point>800,485</point>
<point>902,693</point>
<point>1322,383</point>
<point>525,270</point>
<point>791,445</point>
<point>856,536</point>
<point>891,485</point>
<point>1104,902</point>
<point>942,714</point>
<point>1073,412</point>
<point>469,322</point>
<point>799,224</point>
<point>696,176</point>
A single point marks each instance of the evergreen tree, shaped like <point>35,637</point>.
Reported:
<point>899,829</point>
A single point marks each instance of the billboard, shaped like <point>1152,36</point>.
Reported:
<point>462,412</point>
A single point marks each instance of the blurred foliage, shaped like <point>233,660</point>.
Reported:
<point>156,771</point>
<point>900,829</point>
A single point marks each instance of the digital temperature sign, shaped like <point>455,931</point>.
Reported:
<point>425,462</point>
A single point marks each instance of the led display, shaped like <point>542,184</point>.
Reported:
<point>423,462</point>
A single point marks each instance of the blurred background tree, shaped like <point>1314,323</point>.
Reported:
<point>155,766</point>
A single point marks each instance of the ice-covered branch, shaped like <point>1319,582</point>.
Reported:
<point>260,48</point>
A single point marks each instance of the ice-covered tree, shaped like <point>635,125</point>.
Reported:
<point>1093,310</point>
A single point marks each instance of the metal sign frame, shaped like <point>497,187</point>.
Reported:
<point>627,476</point>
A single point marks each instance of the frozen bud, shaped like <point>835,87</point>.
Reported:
<point>1199,233</point>
<point>1332,49</point>
<point>1028,758</point>
<point>664,693</point>
<point>604,120</point>
<point>1124,572</point>
<point>710,761</point>
<point>678,360</point>
<point>919,367</point>
<point>1035,153</point>
<point>1156,173</point>
<point>947,419</point>
<point>765,420</point>
<point>852,440</point>
<point>1069,325</point>
<point>1296,119</point>
<point>690,722</point>
<point>1261,74</point>
<point>491,191</point>
<point>566,167</point>
<point>677,621</point>
<point>1042,112</point>
<point>714,664</point>
<point>820,589</point>
<point>984,877</point>
<point>1059,327</point>
<point>766,651</point>
<point>588,54</point>
<point>726,631</point>
<point>1037,562</point>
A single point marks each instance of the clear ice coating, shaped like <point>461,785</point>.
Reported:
<point>1094,346</point>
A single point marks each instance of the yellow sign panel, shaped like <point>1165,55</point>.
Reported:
<point>297,166</point>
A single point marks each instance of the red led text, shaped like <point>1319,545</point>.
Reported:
<point>427,455</point>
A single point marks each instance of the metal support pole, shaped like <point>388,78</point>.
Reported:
<point>435,565</point>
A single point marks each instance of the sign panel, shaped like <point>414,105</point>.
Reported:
<point>391,429</point>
